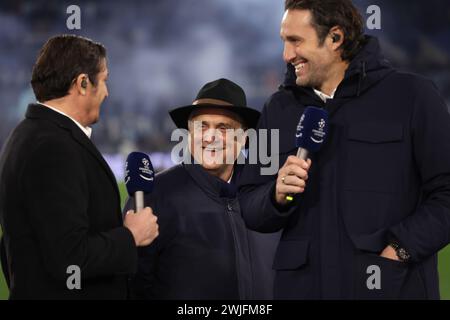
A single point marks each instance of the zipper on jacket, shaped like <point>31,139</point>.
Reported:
<point>236,249</point>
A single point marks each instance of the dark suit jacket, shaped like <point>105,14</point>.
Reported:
<point>59,206</point>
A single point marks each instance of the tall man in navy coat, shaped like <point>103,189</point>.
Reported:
<point>372,208</point>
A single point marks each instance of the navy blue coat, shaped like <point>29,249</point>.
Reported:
<point>384,172</point>
<point>204,250</point>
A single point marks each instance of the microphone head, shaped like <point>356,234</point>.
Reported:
<point>139,174</point>
<point>312,129</point>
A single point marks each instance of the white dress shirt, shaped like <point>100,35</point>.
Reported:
<point>324,96</point>
<point>86,130</point>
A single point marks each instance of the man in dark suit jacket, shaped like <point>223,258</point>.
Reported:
<point>204,250</point>
<point>59,202</point>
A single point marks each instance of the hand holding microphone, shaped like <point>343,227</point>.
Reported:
<point>139,177</point>
<point>311,132</point>
<point>143,225</point>
<point>291,179</point>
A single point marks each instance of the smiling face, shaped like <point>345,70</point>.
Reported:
<point>314,62</point>
<point>216,138</point>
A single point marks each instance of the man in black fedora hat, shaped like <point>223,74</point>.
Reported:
<point>204,250</point>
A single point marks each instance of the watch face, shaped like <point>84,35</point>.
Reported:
<point>402,254</point>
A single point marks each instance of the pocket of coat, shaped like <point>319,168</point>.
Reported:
<point>291,255</point>
<point>378,278</point>
<point>374,155</point>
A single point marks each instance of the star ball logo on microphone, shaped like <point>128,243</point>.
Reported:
<point>147,173</point>
<point>322,124</point>
<point>319,133</point>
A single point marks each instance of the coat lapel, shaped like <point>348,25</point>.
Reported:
<point>36,111</point>
<point>205,181</point>
<point>211,185</point>
<point>82,139</point>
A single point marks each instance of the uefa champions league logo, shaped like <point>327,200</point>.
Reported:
<point>146,170</point>
<point>321,124</point>
<point>146,163</point>
<point>319,133</point>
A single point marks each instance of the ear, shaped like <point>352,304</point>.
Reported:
<point>81,83</point>
<point>336,37</point>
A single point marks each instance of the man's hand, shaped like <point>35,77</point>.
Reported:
<point>390,253</point>
<point>291,178</point>
<point>142,225</point>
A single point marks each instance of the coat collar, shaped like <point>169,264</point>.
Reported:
<point>212,185</point>
<point>37,111</point>
<point>366,69</point>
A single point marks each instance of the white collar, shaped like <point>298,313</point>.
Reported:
<point>229,180</point>
<point>324,96</point>
<point>86,130</point>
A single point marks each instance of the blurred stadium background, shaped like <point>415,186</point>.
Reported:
<point>162,51</point>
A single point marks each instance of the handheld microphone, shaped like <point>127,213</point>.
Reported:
<point>311,132</point>
<point>139,177</point>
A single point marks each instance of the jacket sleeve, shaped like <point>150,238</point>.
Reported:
<point>427,231</point>
<point>259,210</point>
<point>144,285</point>
<point>143,282</point>
<point>56,194</point>
<point>257,194</point>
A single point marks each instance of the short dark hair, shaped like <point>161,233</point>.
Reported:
<point>327,14</point>
<point>61,60</point>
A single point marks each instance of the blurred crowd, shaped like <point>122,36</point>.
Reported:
<point>160,52</point>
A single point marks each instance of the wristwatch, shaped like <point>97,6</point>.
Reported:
<point>402,253</point>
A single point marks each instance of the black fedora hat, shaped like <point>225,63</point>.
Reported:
<point>219,94</point>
